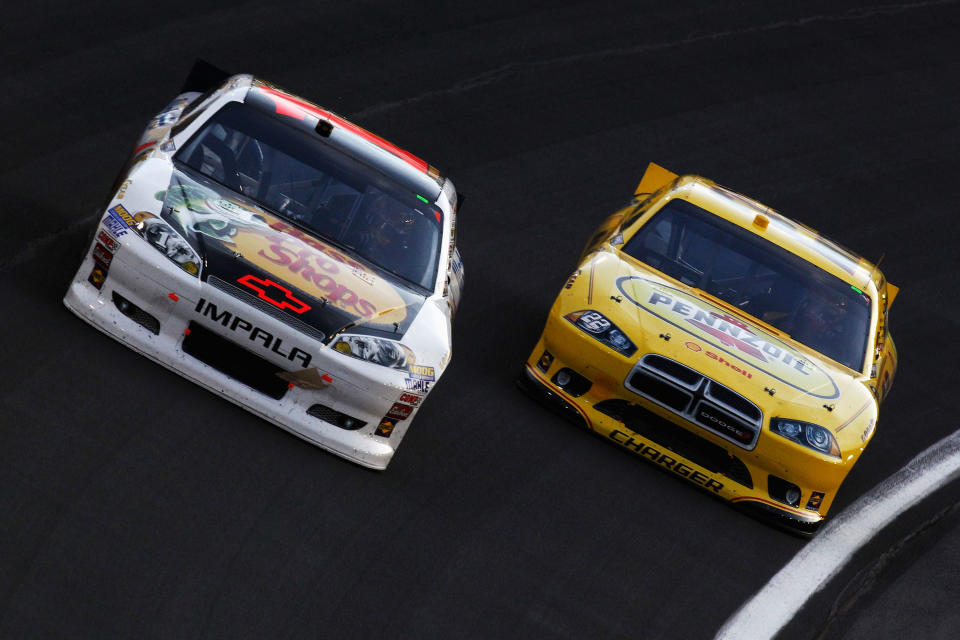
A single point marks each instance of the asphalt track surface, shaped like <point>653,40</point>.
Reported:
<point>135,504</point>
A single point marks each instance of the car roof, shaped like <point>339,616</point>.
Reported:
<point>775,227</point>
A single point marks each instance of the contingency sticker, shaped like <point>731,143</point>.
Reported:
<point>114,225</point>
<point>418,385</point>
<point>410,398</point>
<point>421,372</point>
<point>101,255</point>
<point>121,214</point>
<point>109,242</point>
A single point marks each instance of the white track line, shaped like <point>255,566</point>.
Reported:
<point>822,557</point>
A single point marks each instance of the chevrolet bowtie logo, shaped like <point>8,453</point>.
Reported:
<point>277,295</point>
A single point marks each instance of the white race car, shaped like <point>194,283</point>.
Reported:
<point>283,258</point>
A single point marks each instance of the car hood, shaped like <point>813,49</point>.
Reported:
<point>266,260</point>
<point>684,324</point>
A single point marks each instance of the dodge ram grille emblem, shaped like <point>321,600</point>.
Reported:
<point>277,295</point>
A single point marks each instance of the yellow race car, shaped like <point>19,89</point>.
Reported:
<point>725,343</point>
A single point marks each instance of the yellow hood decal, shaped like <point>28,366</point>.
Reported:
<point>746,342</point>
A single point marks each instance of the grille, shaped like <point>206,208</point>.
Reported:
<point>663,392</point>
<point>699,399</point>
<point>333,416</point>
<point>265,307</point>
<point>234,361</point>
<point>677,371</point>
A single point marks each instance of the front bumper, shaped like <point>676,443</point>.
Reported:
<point>746,478</point>
<point>176,302</point>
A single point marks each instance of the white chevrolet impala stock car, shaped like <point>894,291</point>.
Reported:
<point>283,258</point>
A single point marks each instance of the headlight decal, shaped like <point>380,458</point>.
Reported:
<point>807,434</point>
<point>603,330</point>
<point>162,237</point>
<point>387,353</point>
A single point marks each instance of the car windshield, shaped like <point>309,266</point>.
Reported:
<point>319,188</point>
<point>758,277</point>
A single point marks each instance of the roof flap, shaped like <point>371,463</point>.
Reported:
<point>653,178</point>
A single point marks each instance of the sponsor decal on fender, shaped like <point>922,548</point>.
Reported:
<point>114,225</point>
<point>421,372</point>
<point>728,335</point>
<point>418,385</point>
<point>411,399</point>
<point>121,214</point>
<point>385,428</point>
<point>107,241</point>
<point>97,276</point>
<point>816,499</point>
<point>399,411</point>
<point>102,256</point>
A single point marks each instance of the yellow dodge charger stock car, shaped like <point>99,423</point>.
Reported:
<point>725,343</point>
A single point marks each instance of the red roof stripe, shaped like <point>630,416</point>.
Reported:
<point>289,105</point>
